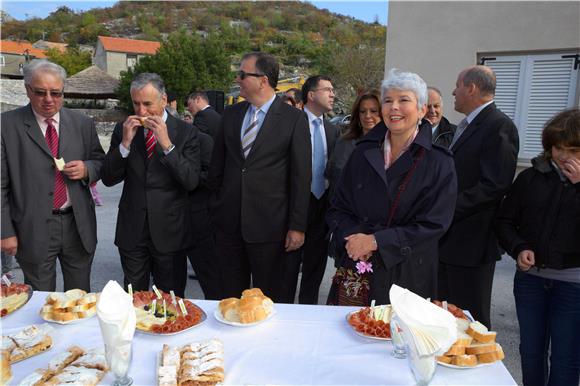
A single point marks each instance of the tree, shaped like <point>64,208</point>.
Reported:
<point>73,60</point>
<point>185,63</point>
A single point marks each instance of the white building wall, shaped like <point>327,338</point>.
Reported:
<point>439,39</point>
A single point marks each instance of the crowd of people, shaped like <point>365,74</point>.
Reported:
<point>271,188</point>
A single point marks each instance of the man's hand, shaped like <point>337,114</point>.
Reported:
<point>130,129</point>
<point>360,246</point>
<point>75,170</point>
<point>10,245</point>
<point>294,240</point>
<point>571,170</point>
<point>159,128</point>
<point>526,259</point>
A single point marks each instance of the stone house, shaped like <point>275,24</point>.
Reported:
<point>113,55</point>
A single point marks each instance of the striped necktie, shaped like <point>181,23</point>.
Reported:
<point>150,142</point>
<point>460,129</point>
<point>318,160</point>
<point>250,134</point>
<point>59,196</point>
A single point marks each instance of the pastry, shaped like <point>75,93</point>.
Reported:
<point>12,297</point>
<point>32,340</point>
<point>5,369</point>
<point>195,364</point>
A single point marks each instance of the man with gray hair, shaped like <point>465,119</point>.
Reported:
<point>50,156</point>
<point>485,149</point>
<point>442,130</point>
<point>157,156</point>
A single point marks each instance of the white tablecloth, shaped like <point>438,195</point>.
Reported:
<point>299,345</point>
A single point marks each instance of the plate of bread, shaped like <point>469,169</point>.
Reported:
<point>251,309</point>
<point>198,363</point>
<point>372,322</point>
<point>165,314</point>
<point>75,366</point>
<point>475,347</point>
<point>72,306</point>
<point>13,297</point>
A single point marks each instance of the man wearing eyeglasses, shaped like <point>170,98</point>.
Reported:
<point>50,156</point>
<point>260,172</point>
<point>318,99</point>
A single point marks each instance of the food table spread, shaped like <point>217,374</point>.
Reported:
<point>299,344</point>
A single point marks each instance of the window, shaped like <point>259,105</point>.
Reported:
<point>533,88</point>
<point>131,61</point>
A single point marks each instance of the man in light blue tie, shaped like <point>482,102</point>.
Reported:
<point>318,98</point>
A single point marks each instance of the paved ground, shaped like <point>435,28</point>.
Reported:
<point>107,267</point>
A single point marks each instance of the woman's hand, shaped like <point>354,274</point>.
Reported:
<point>526,259</point>
<point>360,246</point>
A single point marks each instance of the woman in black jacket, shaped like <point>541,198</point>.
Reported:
<point>394,200</point>
<point>539,226</point>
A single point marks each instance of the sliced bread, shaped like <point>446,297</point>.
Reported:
<point>464,360</point>
<point>493,356</point>
<point>480,333</point>
<point>480,348</point>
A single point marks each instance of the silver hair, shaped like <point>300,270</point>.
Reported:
<point>408,81</point>
<point>437,91</point>
<point>42,65</point>
<point>146,78</point>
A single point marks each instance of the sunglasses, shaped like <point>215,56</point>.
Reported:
<point>42,93</point>
<point>243,74</point>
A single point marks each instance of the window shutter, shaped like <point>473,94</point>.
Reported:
<point>508,72</point>
<point>550,88</point>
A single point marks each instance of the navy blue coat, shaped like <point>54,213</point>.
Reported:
<point>407,252</point>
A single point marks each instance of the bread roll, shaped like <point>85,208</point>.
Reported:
<point>480,333</point>
<point>250,310</point>
<point>229,309</point>
<point>493,356</point>
<point>456,350</point>
<point>464,360</point>
<point>252,292</point>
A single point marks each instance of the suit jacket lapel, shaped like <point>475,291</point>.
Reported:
<point>34,132</point>
<point>375,158</point>
<point>65,133</point>
<point>139,142</point>
<point>472,127</point>
<point>236,133</point>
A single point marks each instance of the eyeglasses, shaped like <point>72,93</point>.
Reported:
<point>326,89</point>
<point>243,74</point>
<point>43,93</point>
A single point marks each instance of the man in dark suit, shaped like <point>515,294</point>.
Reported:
<point>442,130</point>
<point>47,209</point>
<point>157,158</point>
<point>485,150</point>
<point>318,99</point>
<point>261,170</point>
<point>205,117</point>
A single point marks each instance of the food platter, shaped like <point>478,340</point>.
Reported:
<point>7,309</point>
<point>348,316</point>
<point>203,319</point>
<point>464,367</point>
<point>221,319</point>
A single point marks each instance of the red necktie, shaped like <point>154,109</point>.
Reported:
<point>59,197</point>
<point>150,142</point>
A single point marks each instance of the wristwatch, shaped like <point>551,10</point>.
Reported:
<point>170,148</point>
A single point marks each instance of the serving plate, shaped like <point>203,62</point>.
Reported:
<point>29,293</point>
<point>360,333</point>
<point>201,320</point>
<point>74,321</point>
<point>465,367</point>
<point>219,317</point>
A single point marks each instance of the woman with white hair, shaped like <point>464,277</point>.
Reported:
<point>393,202</point>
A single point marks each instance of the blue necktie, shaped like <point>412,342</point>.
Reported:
<point>317,186</point>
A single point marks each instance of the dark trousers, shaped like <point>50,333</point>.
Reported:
<point>244,265</point>
<point>549,316</point>
<point>313,256</point>
<point>468,288</point>
<point>169,270</point>
<point>202,256</point>
<point>65,244</point>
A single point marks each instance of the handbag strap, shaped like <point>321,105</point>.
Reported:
<point>404,184</point>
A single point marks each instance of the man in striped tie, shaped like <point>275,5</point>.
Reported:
<point>50,157</point>
<point>157,156</point>
<point>260,174</point>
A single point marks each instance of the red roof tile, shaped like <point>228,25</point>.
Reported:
<point>129,45</point>
<point>18,48</point>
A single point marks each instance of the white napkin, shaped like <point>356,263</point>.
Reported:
<point>432,329</point>
<point>117,320</point>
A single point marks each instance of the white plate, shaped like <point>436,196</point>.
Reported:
<point>219,317</point>
<point>360,333</point>
<point>74,321</point>
<point>203,318</point>
<point>465,367</point>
